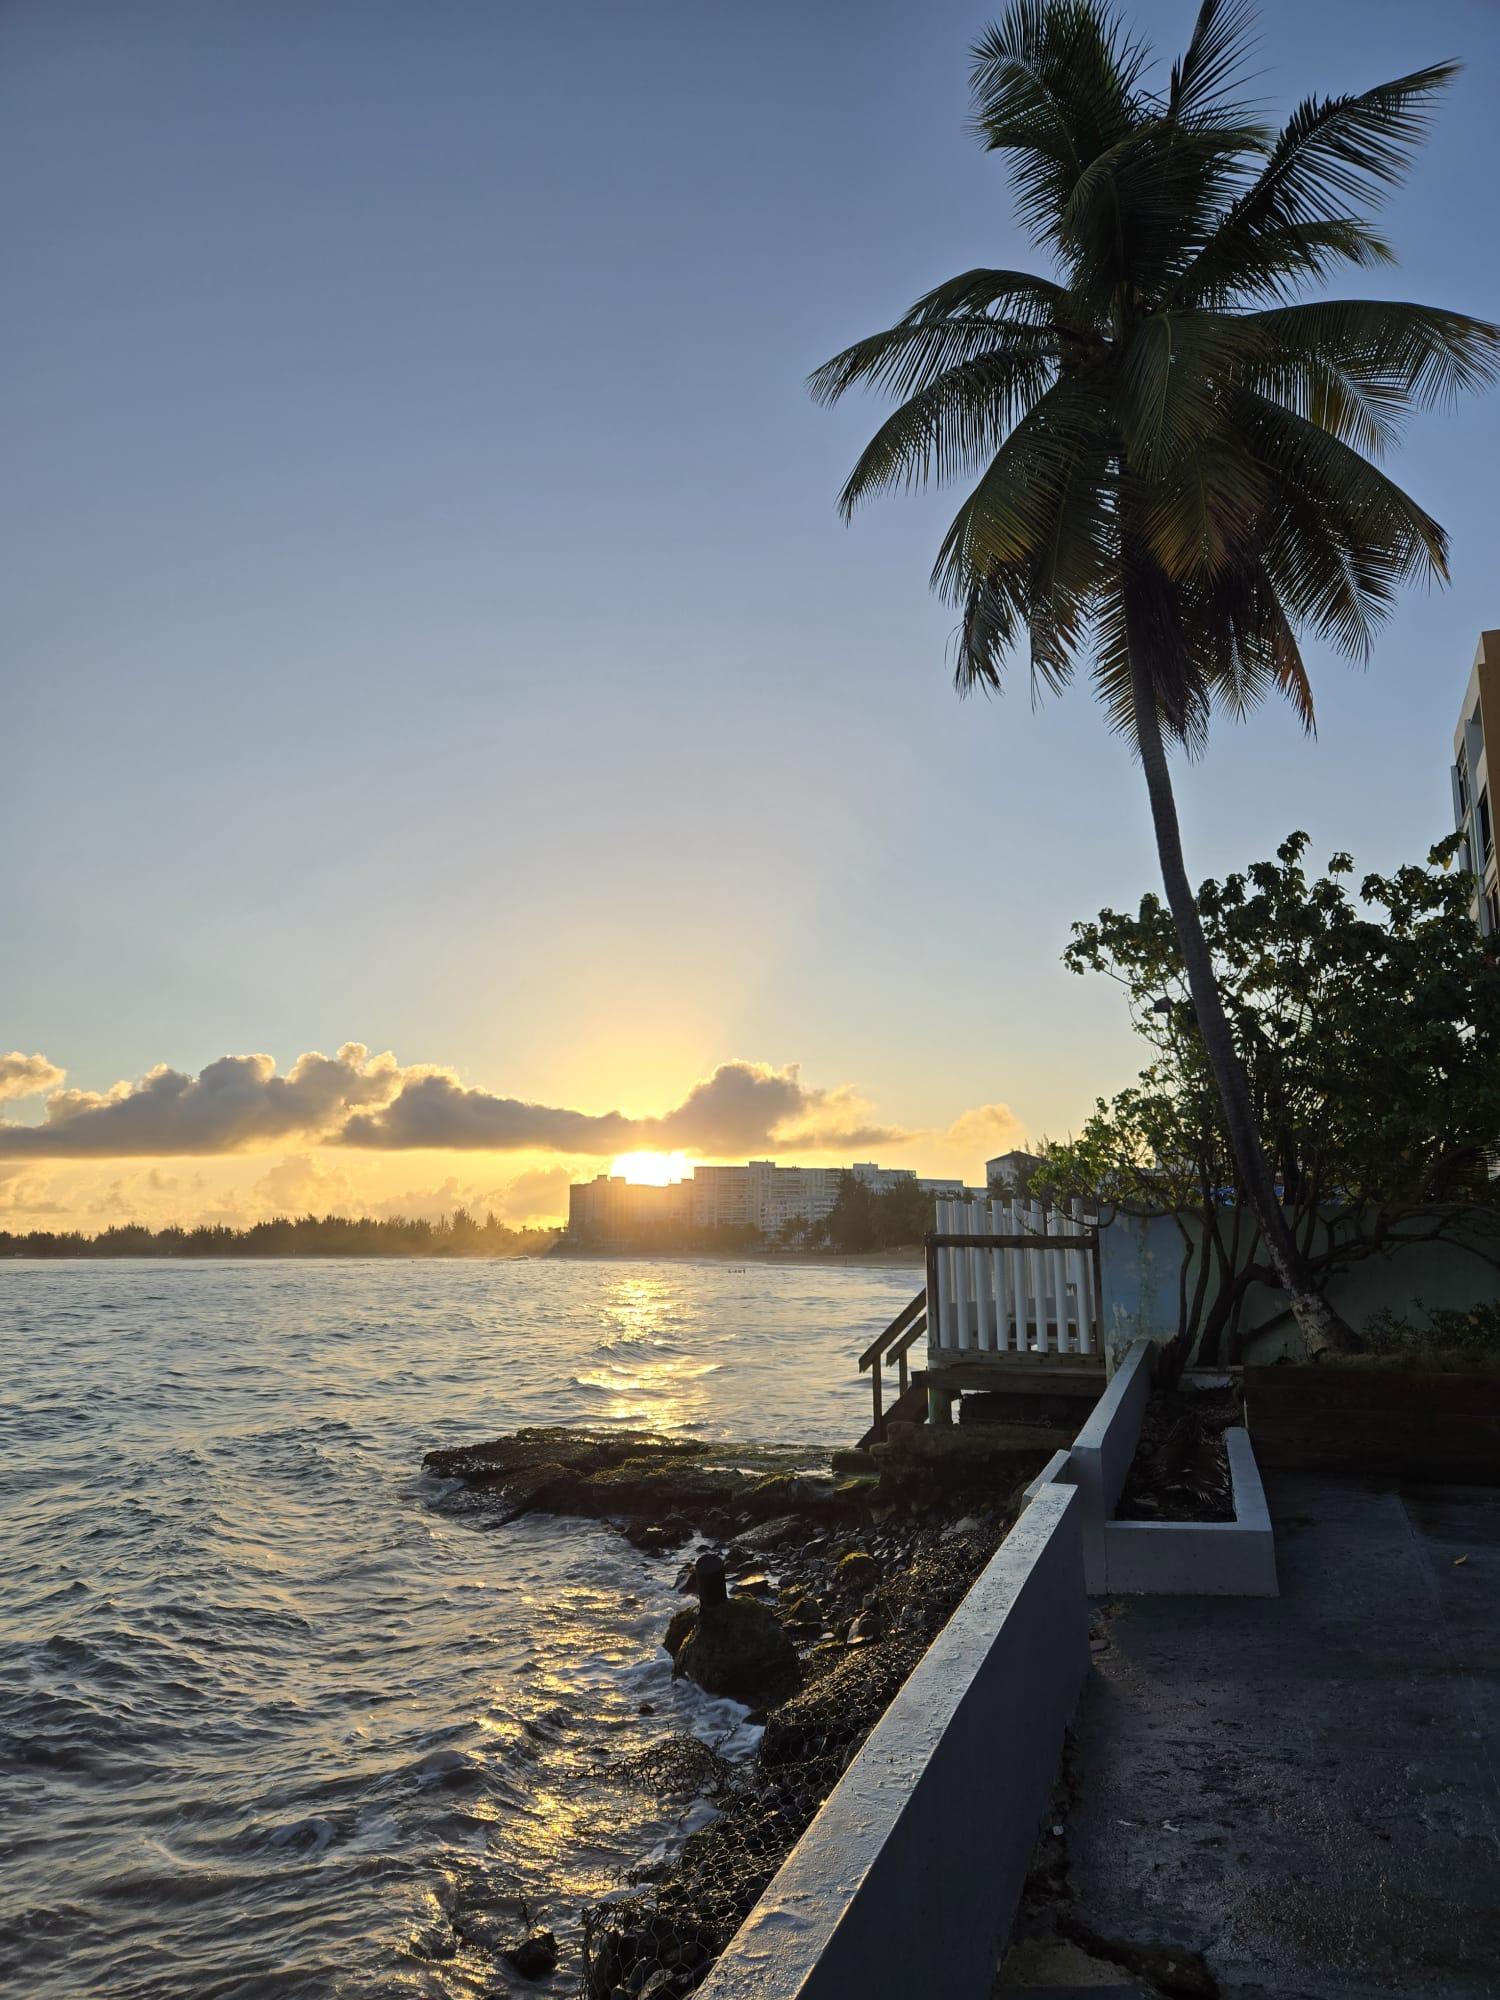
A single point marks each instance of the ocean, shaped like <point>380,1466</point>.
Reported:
<point>272,1723</point>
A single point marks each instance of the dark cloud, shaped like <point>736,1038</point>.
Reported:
<point>235,1103</point>
<point>355,1099</point>
<point>436,1110</point>
<point>740,1107</point>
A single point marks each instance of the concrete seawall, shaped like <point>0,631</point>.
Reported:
<point>908,1879</point>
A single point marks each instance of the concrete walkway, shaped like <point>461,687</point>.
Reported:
<point>1293,1797</point>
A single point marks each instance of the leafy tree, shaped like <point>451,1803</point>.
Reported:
<point>1173,448</point>
<point>1371,1031</point>
<point>866,1218</point>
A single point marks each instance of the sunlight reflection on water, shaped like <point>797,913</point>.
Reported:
<point>268,1723</point>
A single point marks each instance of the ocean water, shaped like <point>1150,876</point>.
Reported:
<point>271,1722</point>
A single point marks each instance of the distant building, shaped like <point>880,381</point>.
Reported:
<point>1473,809</point>
<point>1010,1172</point>
<point>759,1195</point>
<point>610,1209</point>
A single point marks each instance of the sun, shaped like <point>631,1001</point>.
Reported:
<point>652,1169</point>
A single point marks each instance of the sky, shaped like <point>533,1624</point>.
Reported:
<point>449,736</point>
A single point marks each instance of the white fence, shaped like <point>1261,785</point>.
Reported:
<point>1028,1284</point>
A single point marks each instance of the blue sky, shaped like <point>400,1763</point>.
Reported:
<point>428,621</point>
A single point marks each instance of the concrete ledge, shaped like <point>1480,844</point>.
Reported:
<point>1200,1558</point>
<point>1102,1452</point>
<point>1172,1558</point>
<point>909,1877</point>
<point>1059,1468</point>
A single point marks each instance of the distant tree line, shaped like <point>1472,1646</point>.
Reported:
<point>457,1235</point>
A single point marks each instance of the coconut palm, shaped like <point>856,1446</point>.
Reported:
<point>1174,448</point>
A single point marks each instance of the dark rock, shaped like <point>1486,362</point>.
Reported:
<point>758,1585</point>
<point>854,1461</point>
<point>772,1534</point>
<point>678,1628</point>
<point>647,1707</point>
<point>805,1614</point>
<point>534,1957</point>
<point>856,1573</point>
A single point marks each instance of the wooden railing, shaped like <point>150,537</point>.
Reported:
<point>1012,1278</point>
<point>905,1330</point>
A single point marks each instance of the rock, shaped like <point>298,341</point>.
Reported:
<point>854,1461</point>
<point>866,1626</point>
<point>647,1707</point>
<point>772,1534</point>
<point>805,1614</point>
<point>678,1629</point>
<point>737,1647</point>
<point>856,1573</point>
<point>657,1538</point>
<point>758,1585</point>
<point>534,1957</point>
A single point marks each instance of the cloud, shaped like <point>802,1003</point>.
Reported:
<point>23,1193</point>
<point>241,1103</point>
<point>987,1130</point>
<point>28,1076</point>
<point>298,1186</point>
<point>235,1103</point>
<point>740,1107</point>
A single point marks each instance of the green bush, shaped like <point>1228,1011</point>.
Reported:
<point>1451,1334</point>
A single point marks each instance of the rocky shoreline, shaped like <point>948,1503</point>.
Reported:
<point>835,1570</point>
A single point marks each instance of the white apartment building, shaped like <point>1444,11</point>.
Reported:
<point>1473,808</point>
<point>759,1195</point>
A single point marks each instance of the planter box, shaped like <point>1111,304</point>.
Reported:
<point>1172,1558</point>
<point>1397,1423</point>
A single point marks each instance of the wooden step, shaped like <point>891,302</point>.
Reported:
<point>910,1407</point>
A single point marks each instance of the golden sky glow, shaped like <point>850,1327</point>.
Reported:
<point>652,1169</point>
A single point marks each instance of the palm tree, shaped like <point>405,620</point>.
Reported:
<point>1173,448</point>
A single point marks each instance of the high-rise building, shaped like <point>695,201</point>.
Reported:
<point>759,1195</point>
<point>611,1209</point>
<point>1473,806</point>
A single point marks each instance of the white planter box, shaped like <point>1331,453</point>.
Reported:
<point>1169,1558</point>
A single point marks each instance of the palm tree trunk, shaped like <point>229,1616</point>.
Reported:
<point>1320,1325</point>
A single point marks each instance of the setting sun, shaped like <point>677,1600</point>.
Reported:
<point>652,1169</point>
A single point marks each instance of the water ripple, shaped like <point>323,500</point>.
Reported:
<point>272,1722</point>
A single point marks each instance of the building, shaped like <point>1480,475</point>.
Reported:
<point>1473,809</point>
<point>759,1196</point>
<point>610,1209</point>
<point>1010,1173</point>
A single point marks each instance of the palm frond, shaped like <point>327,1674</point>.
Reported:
<point>1356,367</point>
<point>1335,157</point>
<point>1171,383</point>
<point>913,355</point>
<point>1032,536</point>
<point>1340,537</point>
<point>1038,301</point>
<point>1213,62</point>
<point>1053,84</point>
<point>953,425</point>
